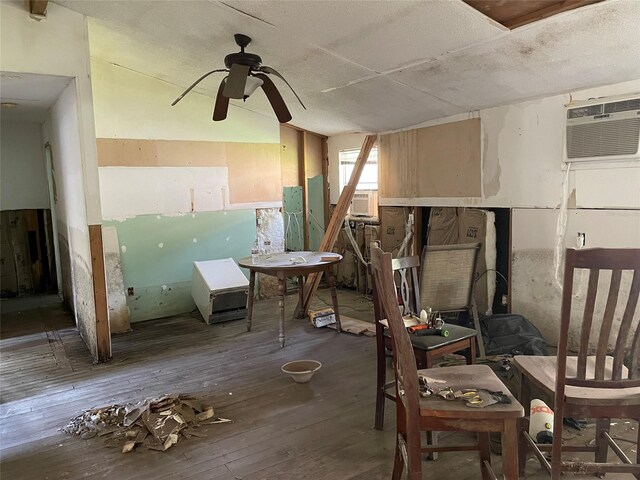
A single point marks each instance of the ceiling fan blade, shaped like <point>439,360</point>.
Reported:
<point>234,87</point>
<point>275,99</point>
<point>196,83</point>
<point>222,104</point>
<point>273,71</point>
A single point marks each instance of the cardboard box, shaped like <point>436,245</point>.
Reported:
<point>322,318</point>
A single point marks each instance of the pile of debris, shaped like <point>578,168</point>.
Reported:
<point>156,424</point>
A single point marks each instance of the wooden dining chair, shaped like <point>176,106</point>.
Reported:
<point>415,413</point>
<point>601,386</point>
<point>446,280</point>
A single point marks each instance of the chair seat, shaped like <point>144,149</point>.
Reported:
<point>467,376</point>
<point>542,372</point>
<point>431,342</point>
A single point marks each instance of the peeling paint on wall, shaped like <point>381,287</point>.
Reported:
<point>270,229</point>
<point>535,294</point>
<point>161,277</point>
<point>116,299</point>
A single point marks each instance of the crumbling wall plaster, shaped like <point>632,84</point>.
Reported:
<point>116,299</point>
<point>535,292</point>
<point>270,229</point>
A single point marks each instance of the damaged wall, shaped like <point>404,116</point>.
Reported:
<point>536,294</point>
<point>59,46</point>
<point>522,168</point>
<point>62,132</point>
<point>177,187</point>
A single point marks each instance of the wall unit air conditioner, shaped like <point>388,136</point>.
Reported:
<point>364,204</point>
<point>603,129</point>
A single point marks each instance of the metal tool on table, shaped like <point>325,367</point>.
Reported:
<point>429,323</point>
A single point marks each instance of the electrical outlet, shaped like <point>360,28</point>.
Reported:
<point>130,291</point>
<point>581,241</point>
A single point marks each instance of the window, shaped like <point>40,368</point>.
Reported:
<point>369,177</point>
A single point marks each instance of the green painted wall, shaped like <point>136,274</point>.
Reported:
<point>157,254</point>
<point>315,192</point>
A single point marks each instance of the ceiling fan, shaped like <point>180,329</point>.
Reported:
<point>246,74</point>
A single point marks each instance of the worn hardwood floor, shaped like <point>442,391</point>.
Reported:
<point>281,430</point>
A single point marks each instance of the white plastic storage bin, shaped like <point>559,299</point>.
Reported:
<point>220,290</point>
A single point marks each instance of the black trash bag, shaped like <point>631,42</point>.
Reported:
<point>509,334</point>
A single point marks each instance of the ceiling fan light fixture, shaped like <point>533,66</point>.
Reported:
<point>245,73</point>
<point>251,86</point>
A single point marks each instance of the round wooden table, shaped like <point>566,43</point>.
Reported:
<point>291,264</point>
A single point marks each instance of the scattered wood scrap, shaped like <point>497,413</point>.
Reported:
<point>356,326</point>
<point>155,424</point>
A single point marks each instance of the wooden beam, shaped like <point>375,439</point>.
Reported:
<point>549,11</point>
<point>335,223</point>
<point>38,7</point>
<point>302,178</point>
<point>325,181</point>
<point>293,127</point>
<point>103,332</point>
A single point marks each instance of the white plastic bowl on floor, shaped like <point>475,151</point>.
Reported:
<point>301,370</point>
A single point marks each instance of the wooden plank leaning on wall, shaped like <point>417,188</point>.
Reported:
<point>103,332</point>
<point>335,223</point>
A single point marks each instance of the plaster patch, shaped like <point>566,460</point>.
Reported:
<point>123,248</point>
<point>132,191</point>
<point>160,245</point>
<point>195,240</point>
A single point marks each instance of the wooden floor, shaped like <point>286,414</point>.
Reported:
<point>281,430</point>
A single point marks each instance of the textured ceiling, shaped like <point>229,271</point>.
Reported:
<point>372,65</point>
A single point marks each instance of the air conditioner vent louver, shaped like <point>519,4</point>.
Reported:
<point>603,131</point>
<point>624,106</point>
<point>617,137</point>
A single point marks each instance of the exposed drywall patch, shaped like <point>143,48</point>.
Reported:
<point>146,267</point>
<point>128,152</point>
<point>130,191</point>
<point>290,156</point>
<point>491,169</point>
<point>117,300</point>
<point>437,161</point>
<point>254,172</point>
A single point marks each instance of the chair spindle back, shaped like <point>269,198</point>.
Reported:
<point>404,363</point>
<point>595,260</point>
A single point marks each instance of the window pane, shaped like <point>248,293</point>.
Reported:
<point>369,176</point>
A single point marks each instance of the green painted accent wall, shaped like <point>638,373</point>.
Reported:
<point>293,218</point>
<point>315,193</point>
<point>161,275</point>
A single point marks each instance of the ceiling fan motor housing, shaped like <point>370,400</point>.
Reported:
<point>242,58</point>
